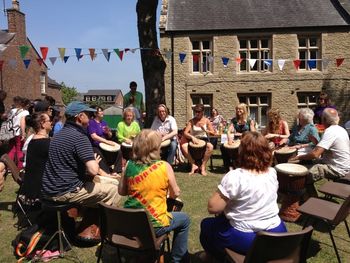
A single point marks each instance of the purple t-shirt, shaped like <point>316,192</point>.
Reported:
<point>318,112</point>
<point>96,127</point>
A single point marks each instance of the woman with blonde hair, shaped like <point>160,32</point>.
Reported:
<point>147,181</point>
<point>277,130</point>
<point>128,128</point>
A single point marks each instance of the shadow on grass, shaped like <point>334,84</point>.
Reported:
<point>6,206</point>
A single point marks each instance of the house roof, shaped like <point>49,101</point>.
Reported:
<point>53,83</point>
<point>194,15</point>
<point>102,92</point>
<point>6,37</point>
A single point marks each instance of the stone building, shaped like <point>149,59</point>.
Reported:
<point>17,80</point>
<point>255,37</point>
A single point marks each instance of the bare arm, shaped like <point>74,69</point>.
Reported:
<point>252,126</point>
<point>169,135</point>
<point>187,130</point>
<point>92,167</point>
<point>314,154</point>
<point>123,186</point>
<point>174,190</point>
<point>97,138</point>
<point>217,203</point>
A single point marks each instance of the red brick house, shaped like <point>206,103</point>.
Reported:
<point>17,80</point>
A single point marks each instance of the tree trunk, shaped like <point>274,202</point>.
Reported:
<point>153,64</point>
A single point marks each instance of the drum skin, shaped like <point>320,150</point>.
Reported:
<point>291,177</point>
<point>284,154</point>
<point>126,150</point>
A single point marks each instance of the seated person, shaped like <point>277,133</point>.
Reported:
<point>166,126</point>
<point>246,200</point>
<point>197,129</point>
<point>150,192</point>
<point>239,124</point>
<point>128,128</point>
<point>217,121</point>
<point>323,103</point>
<point>334,147</point>
<point>277,130</point>
<point>99,132</point>
<point>304,133</point>
<point>37,154</point>
<point>72,164</point>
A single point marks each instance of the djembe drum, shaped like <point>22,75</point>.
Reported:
<point>283,154</point>
<point>291,178</point>
<point>109,152</point>
<point>232,149</point>
<point>174,205</point>
<point>126,150</point>
<point>197,151</point>
<point>164,149</point>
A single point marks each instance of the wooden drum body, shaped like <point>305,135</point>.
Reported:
<point>126,151</point>
<point>109,152</point>
<point>291,178</point>
<point>197,151</point>
<point>282,155</point>
<point>232,149</point>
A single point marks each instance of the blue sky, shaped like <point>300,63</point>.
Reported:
<point>86,24</point>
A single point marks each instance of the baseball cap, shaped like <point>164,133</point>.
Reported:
<point>75,107</point>
<point>41,106</point>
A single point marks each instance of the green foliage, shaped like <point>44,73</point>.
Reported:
<point>68,93</point>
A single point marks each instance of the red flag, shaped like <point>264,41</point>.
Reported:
<point>121,53</point>
<point>1,64</point>
<point>297,63</point>
<point>40,61</point>
<point>44,51</point>
<point>239,60</point>
<point>339,61</point>
<point>195,58</point>
<point>126,50</point>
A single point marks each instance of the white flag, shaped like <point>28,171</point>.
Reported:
<point>325,63</point>
<point>280,63</point>
<point>252,63</point>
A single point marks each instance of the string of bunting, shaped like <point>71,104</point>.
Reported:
<point>24,49</point>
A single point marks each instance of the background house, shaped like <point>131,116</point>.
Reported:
<point>17,80</point>
<point>106,97</point>
<point>254,38</point>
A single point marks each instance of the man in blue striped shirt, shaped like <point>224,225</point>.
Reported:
<point>72,164</point>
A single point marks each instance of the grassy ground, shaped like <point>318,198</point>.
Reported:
<point>195,192</point>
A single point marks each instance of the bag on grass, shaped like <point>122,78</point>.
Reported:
<point>8,130</point>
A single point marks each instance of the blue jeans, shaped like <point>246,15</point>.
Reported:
<point>180,224</point>
<point>217,234</point>
<point>170,152</point>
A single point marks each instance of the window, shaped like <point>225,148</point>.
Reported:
<point>309,53</point>
<point>103,98</point>
<point>258,49</point>
<point>87,98</point>
<point>109,98</point>
<point>202,56</point>
<point>307,99</point>
<point>93,98</point>
<point>258,105</point>
<point>43,83</point>
<point>205,99</point>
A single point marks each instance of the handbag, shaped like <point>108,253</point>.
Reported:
<point>8,130</point>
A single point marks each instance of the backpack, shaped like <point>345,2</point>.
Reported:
<point>8,130</point>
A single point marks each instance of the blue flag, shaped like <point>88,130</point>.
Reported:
<point>182,57</point>
<point>225,61</point>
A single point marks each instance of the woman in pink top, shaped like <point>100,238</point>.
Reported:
<point>277,130</point>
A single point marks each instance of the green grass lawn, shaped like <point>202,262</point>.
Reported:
<point>195,191</point>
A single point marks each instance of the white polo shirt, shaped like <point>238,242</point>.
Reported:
<point>166,126</point>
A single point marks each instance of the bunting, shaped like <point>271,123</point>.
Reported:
<point>182,57</point>
<point>26,62</point>
<point>23,50</point>
<point>53,60</point>
<point>281,63</point>
<point>225,61</point>
<point>44,51</point>
<point>40,61</point>
<point>62,52</point>
<point>106,53</point>
<point>92,53</point>
<point>78,53</point>
<point>311,63</point>
<point>297,63</point>
<point>339,61</point>
<point>252,63</point>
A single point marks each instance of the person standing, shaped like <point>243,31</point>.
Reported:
<point>135,97</point>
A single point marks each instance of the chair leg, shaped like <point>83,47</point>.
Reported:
<point>333,242</point>
<point>100,252</point>
<point>119,256</point>
<point>23,211</point>
<point>347,227</point>
<point>306,222</point>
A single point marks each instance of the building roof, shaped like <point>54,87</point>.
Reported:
<point>53,83</point>
<point>6,37</point>
<point>102,92</point>
<point>195,15</point>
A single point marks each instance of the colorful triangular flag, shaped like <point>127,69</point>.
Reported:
<point>24,50</point>
<point>120,55</point>
<point>339,61</point>
<point>126,50</point>
<point>106,53</point>
<point>239,60</point>
<point>182,57</point>
<point>40,61</point>
<point>296,63</point>
<point>78,53</point>
<point>325,63</point>
<point>225,61</point>
<point>62,52</point>
<point>311,63</point>
<point>26,62</point>
<point>65,59</point>
<point>53,60</point>
<point>133,50</point>
<point>281,63</point>
<point>252,62</point>
<point>210,59</point>
<point>268,62</point>
<point>44,51</point>
<point>92,53</point>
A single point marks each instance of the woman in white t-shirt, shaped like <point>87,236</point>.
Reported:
<point>18,114</point>
<point>246,200</point>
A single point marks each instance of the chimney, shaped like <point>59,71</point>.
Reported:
<point>16,22</point>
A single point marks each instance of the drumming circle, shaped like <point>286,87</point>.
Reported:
<point>110,148</point>
<point>165,143</point>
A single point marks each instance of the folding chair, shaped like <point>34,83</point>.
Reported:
<point>130,229</point>
<point>329,212</point>
<point>333,189</point>
<point>282,247</point>
<point>16,176</point>
<point>345,179</point>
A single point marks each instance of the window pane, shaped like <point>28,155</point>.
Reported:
<point>253,43</point>
<point>253,100</point>
<point>301,99</point>
<point>265,43</point>
<point>302,57</point>
<point>243,65</point>
<point>205,63</point>
<point>206,45</point>
<point>312,99</point>
<point>263,120</point>
<point>195,44</point>
<point>302,42</point>
<point>207,111</point>
<point>195,100</point>
<point>242,99</point>
<point>313,54</point>
<point>263,100</point>
<point>243,44</point>
<point>195,62</point>
<point>206,100</point>
<point>313,42</point>
<point>253,113</point>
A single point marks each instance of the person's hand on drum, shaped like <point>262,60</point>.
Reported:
<point>312,139</point>
<point>97,158</point>
<point>195,140</point>
<point>293,159</point>
<point>128,141</point>
<point>112,143</point>
<point>270,136</point>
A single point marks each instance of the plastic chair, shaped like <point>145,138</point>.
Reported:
<point>329,212</point>
<point>344,180</point>
<point>333,189</point>
<point>276,247</point>
<point>130,229</point>
<point>16,176</point>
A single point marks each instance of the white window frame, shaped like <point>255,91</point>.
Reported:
<point>204,65</point>
<point>310,99</point>
<point>87,98</point>
<point>202,99</point>
<point>309,49</point>
<point>43,83</point>
<point>93,98</point>
<point>109,98</point>
<point>103,98</point>
<point>260,105</point>
<point>263,53</point>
